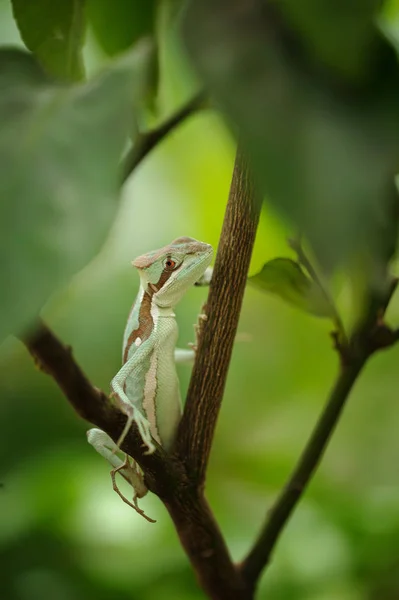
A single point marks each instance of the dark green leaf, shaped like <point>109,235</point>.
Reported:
<point>54,32</point>
<point>320,23</point>
<point>285,278</point>
<point>321,128</point>
<point>59,175</point>
<point>118,24</point>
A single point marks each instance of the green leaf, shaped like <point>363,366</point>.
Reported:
<point>118,24</point>
<point>320,23</point>
<point>320,125</point>
<point>60,149</point>
<point>285,278</point>
<point>54,32</point>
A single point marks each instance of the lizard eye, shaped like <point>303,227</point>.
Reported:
<point>170,264</point>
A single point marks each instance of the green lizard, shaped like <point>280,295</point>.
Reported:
<point>147,387</point>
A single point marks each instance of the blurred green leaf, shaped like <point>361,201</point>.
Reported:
<point>285,278</point>
<point>391,9</point>
<point>60,149</point>
<point>118,24</point>
<point>323,141</point>
<point>320,23</point>
<point>54,32</point>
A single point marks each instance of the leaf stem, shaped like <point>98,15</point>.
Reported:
<point>296,245</point>
<point>147,141</point>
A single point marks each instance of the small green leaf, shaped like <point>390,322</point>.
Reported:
<point>285,278</point>
<point>60,150</point>
<point>54,32</point>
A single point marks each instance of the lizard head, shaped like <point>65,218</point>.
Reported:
<point>168,272</point>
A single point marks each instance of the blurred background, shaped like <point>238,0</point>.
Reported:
<point>65,533</point>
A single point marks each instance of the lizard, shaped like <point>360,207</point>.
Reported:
<point>146,388</point>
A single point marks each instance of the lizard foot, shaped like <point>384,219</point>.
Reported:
<point>202,317</point>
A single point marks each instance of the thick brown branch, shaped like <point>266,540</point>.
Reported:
<point>165,475</point>
<point>223,309</point>
<point>206,548</point>
<point>148,140</point>
<point>279,514</point>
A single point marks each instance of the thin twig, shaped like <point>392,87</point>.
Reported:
<point>392,287</point>
<point>279,514</point>
<point>215,346</point>
<point>148,140</point>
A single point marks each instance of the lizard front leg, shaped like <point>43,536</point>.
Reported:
<point>184,356</point>
<point>206,278</point>
<point>127,406</point>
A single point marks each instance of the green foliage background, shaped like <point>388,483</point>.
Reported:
<point>65,534</point>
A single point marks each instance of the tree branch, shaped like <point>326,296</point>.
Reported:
<point>92,404</point>
<point>147,141</point>
<point>209,374</point>
<point>165,475</point>
<point>280,512</point>
<point>204,545</point>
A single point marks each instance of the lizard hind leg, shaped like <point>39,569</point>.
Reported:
<point>127,467</point>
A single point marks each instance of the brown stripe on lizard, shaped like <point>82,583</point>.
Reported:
<point>146,322</point>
